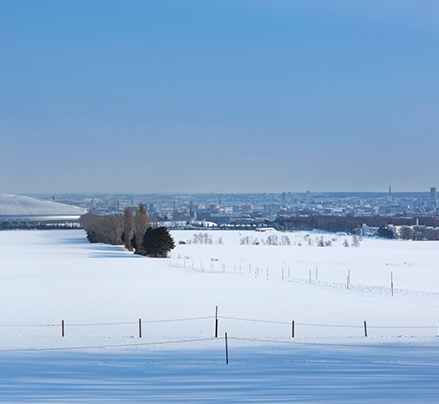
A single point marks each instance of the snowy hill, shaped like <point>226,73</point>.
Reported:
<point>65,277</point>
<point>260,287</point>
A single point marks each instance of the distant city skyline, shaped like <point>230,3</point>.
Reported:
<point>228,97</point>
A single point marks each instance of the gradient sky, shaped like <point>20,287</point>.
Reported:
<point>218,96</point>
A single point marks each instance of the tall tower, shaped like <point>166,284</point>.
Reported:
<point>433,194</point>
<point>390,190</point>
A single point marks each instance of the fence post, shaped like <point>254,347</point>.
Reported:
<point>292,329</point>
<point>216,322</point>
<point>140,328</point>
<point>227,350</point>
<point>62,328</point>
<point>365,329</point>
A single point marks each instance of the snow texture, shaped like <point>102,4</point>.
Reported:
<point>49,276</point>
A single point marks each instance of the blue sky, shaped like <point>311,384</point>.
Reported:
<point>218,96</point>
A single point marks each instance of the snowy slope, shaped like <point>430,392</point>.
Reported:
<point>46,277</point>
<point>59,276</point>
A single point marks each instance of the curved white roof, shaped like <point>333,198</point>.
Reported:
<point>25,206</point>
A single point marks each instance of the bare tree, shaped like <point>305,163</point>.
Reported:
<point>355,241</point>
<point>112,229</point>
<point>128,228</point>
<point>140,226</point>
<point>107,229</point>
<point>406,233</point>
<point>90,223</point>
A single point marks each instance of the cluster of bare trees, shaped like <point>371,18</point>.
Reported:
<point>271,240</point>
<point>318,241</point>
<point>418,233</point>
<point>200,238</point>
<point>128,229</point>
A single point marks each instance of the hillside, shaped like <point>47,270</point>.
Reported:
<point>101,291</point>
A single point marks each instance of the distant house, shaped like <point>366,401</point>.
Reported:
<point>265,229</point>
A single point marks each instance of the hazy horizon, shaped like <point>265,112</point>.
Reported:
<point>219,97</point>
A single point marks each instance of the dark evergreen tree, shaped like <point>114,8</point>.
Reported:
<point>384,232</point>
<point>157,242</point>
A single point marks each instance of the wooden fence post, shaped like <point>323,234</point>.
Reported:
<point>292,329</point>
<point>140,328</point>
<point>62,328</point>
<point>216,322</point>
<point>365,329</point>
<point>227,350</point>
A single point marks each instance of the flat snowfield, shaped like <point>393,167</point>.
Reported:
<point>261,284</point>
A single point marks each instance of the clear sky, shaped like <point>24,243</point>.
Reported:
<point>218,96</point>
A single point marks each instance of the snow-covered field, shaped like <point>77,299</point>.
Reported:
<point>102,291</point>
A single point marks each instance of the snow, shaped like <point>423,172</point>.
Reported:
<point>266,374</point>
<point>49,276</point>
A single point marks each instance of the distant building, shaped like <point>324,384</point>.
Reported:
<point>433,194</point>
<point>368,230</point>
<point>271,209</point>
<point>236,209</point>
<point>220,219</point>
<point>23,209</point>
<point>246,208</point>
<point>201,216</point>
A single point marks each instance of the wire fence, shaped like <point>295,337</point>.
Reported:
<point>225,319</point>
<point>315,276</point>
<point>226,338</point>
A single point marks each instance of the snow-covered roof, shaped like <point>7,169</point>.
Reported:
<point>25,206</point>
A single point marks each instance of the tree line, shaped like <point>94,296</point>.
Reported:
<point>132,231</point>
<point>346,224</point>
